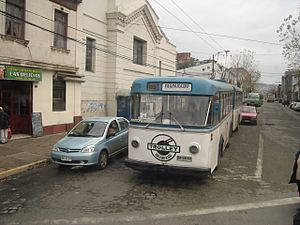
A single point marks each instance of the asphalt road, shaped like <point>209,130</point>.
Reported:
<point>250,187</point>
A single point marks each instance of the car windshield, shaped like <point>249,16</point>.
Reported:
<point>248,109</point>
<point>253,95</point>
<point>89,129</point>
<point>170,109</point>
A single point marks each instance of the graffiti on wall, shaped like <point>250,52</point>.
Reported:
<point>92,106</point>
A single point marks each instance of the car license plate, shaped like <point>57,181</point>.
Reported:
<point>184,158</point>
<point>66,158</point>
<point>247,121</point>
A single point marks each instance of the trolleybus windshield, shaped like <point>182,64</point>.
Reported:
<point>182,110</point>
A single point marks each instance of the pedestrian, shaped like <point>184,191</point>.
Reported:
<point>295,177</point>
<point>4,124</point>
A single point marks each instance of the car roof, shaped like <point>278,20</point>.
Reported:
<point>248,106</point>
<point>105,119</point>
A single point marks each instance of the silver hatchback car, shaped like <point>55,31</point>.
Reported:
<point>92,142</point>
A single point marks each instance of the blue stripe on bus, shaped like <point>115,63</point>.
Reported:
<point>200,86</point>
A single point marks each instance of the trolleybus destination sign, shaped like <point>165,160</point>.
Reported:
<point>186,87</point>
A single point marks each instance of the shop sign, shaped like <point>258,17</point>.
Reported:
<point>22,73</point>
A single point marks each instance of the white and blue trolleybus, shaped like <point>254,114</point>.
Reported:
<point>181,124</point>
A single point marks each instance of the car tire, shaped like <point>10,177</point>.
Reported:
<point>103,160</point>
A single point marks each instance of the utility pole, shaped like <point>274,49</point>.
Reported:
<point>213,62</point>
<point>213,67</point>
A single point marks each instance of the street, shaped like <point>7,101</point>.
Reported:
<point>250,186</point>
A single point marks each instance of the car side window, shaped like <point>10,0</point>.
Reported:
<point>123,124</point>
<point>113,128</point>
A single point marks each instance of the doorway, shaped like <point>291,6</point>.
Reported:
<point>16,100</point>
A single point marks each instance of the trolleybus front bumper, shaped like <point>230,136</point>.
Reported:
<point>147,167</point>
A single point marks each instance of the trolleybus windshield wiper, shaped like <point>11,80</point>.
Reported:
<point>174,118</point>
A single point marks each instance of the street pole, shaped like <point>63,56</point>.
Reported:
<point>213,68</point>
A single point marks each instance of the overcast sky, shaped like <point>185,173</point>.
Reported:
<point>251,19</point>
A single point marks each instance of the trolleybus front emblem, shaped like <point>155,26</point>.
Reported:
<point>163,147</point>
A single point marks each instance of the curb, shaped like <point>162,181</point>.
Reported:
<point>20,169</point>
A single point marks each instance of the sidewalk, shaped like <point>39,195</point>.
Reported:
<point>19,155</point>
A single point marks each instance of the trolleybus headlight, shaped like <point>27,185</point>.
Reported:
<point>194,148</point>
<point>135,143</point>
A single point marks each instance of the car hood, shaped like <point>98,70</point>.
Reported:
<point>249,114</point>
<point>78,142</point>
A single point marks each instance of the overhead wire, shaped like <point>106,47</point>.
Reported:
<point>83,43</point>
<point>81,31</point>
<point>225,36</point>
<point>197,24</point>
<point>191,30</point>
<point>109,52</point>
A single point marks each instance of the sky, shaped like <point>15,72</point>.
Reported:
<point>250,19</point>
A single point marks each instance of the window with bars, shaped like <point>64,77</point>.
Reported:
<point>60,29</point>
<point>14,20</point>
<point>59,94</point>
<point>139,51</point>
<point>90,54</point>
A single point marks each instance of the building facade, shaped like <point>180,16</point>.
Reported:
<point>129,44</point>
<point>38,70</point>
<point>61,60</point>
<point>291,85</point>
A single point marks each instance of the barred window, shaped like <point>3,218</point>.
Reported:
<point>59,94</point>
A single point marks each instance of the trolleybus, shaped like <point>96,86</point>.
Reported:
<point>181,124</point>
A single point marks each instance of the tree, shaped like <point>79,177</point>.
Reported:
<point>246,68</point>
<point>290,36</point>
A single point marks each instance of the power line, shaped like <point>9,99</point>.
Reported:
<point>225,36</point>
<point>124,57</point>
<point>81,31</point>
<point>82,43</point>
<point>197,24</point>
<point>185,25</point>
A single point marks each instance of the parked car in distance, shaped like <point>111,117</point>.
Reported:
<point>92,142</point>
<point>296,107</point>
<point>254,99</point>
<point>292,105</point>
<point>271,98</point>
<point>249,115</point>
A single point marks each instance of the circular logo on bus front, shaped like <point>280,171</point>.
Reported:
<point>163,147</point>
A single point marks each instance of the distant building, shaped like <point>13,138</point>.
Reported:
<point>291,85</point>
<point>183,57</point>
<point>206,69</point>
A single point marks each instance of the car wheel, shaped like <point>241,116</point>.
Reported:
<point>103,160</point>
